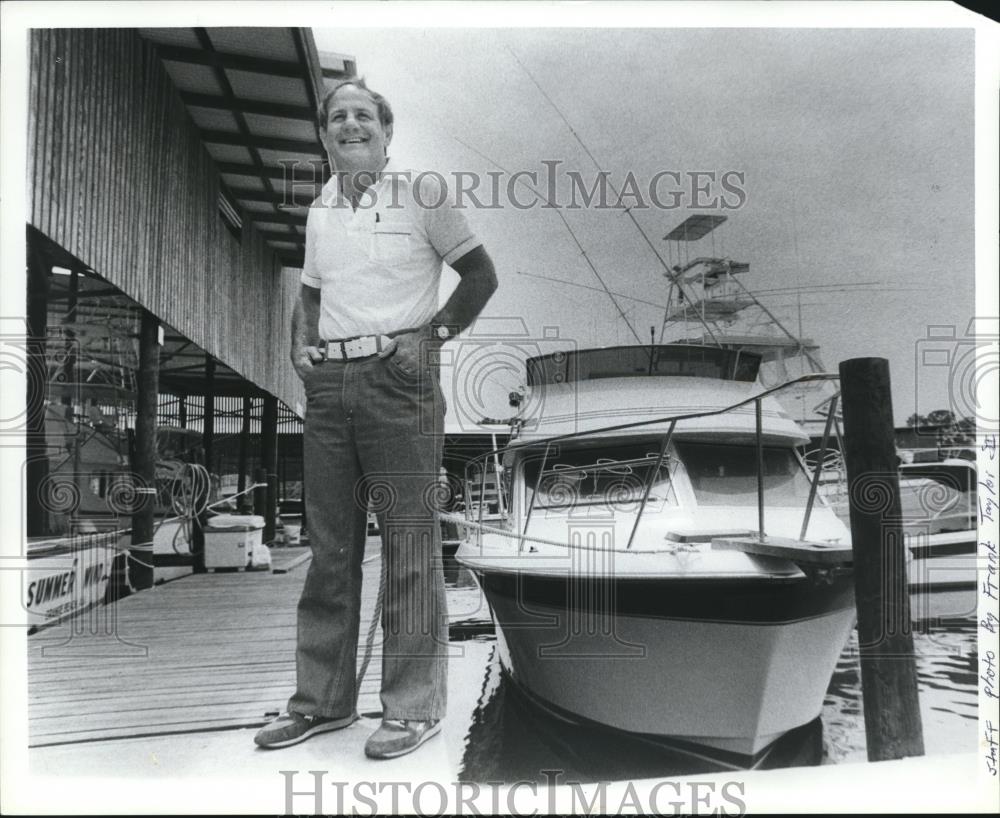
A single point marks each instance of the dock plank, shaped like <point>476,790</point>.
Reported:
<point>204,652</point>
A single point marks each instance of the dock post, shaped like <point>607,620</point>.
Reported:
<point>36,378</point>
<point>244,453</point>
<point>888,668</point>
<point>147,389</point>
<point>260,493</point>
<point>198,525</point>
<point>269,462</point>
<point>208,420</point>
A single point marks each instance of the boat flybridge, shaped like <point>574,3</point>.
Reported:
<point>646,574</point>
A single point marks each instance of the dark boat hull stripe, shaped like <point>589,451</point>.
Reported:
<point>743,601</point>
<point>948,549</point>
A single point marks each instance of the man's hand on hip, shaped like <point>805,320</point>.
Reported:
<point>303,360</point>
<point>413,348</point>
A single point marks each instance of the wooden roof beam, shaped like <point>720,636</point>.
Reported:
<point>277,216</point>
<point>299,172</point>
<point>296,200</point>
<point>273,143</point>
<point>237,62</point>
<point>249,106</point>
<point>277,235</point>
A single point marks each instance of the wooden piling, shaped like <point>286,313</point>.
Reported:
<point>208,422</point>
<point>200,500</point>
<point>888,668</point>
<point>244,454</point>
<point>144,463</point>
<point>36,377</point>
<point>269,462</point>
<point>260,492</point>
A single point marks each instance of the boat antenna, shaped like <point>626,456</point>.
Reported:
<point>558,211</point>
<point>671,274</point>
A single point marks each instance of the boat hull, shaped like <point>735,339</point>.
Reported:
<point>942,575</point>
<point>727,664</point>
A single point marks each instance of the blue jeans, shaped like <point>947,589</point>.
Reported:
<point>374,429</point>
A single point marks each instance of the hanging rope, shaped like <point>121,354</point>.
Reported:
<point>373,625</point>
<point>185,519</point>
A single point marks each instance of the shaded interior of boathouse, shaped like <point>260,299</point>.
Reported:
<point>169,172</point>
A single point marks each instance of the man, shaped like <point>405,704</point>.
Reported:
<point>365,337</point>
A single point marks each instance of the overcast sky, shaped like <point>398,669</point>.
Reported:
<point>856,145</point>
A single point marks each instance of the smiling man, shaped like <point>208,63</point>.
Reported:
<point>365,337</point>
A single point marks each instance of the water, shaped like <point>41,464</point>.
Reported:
<point>510,738</point>
<point>946,678</point>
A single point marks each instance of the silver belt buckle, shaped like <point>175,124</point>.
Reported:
<point>359,347</point>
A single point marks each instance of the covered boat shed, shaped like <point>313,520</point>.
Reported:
<point>169,172</point>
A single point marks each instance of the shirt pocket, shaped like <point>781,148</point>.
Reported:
<point>392,241</point>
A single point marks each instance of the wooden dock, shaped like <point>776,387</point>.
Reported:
<point>205,652</point>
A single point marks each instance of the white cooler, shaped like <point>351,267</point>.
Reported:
<point>230,540</point>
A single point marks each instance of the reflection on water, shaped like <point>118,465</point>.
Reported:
<point>946,676</point>
<point>511,738</point>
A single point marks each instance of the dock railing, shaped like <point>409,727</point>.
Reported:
<point>476,468</point>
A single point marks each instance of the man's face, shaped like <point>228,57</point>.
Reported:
<point>354,136</point>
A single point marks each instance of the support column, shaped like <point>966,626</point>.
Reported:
<point>243,465</point>
<point>68,378</point>
<point>260,493</point>
<point>201,501</point>
<point>36,454</point>
<point>269,461</point>
<point>144,460</point>
<point>68,375</point>
<point>208,421</point>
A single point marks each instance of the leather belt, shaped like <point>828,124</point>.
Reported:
<point>350,349</point>
<point>362,346</point>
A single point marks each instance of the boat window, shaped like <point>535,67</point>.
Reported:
<point>930,505</point>
<point>611,475</point>
<point>726,474</point>
<point>632,361</point>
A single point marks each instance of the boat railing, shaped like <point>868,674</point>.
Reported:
<point>477,468</point>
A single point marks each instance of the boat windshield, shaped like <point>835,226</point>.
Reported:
<point>929,504</point>
<point>675,360</point>
<point>725,474</point>
<point>612,476</point>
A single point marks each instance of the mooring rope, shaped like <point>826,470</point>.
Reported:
<point>372,627</point>
<point>186,519</point>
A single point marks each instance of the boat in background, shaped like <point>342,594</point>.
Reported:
<point>708,302</point>
<point>617,592</point>
<point>940,523</point>
<point>939,507</point>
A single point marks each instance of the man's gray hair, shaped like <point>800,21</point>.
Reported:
<point>381,103</point>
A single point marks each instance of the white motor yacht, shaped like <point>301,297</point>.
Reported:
<point>618,595</point>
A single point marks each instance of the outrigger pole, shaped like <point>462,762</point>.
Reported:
<point>562,218</point>
<point>628,211</point>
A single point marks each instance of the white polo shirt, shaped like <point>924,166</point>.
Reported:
<point>378,267</point>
